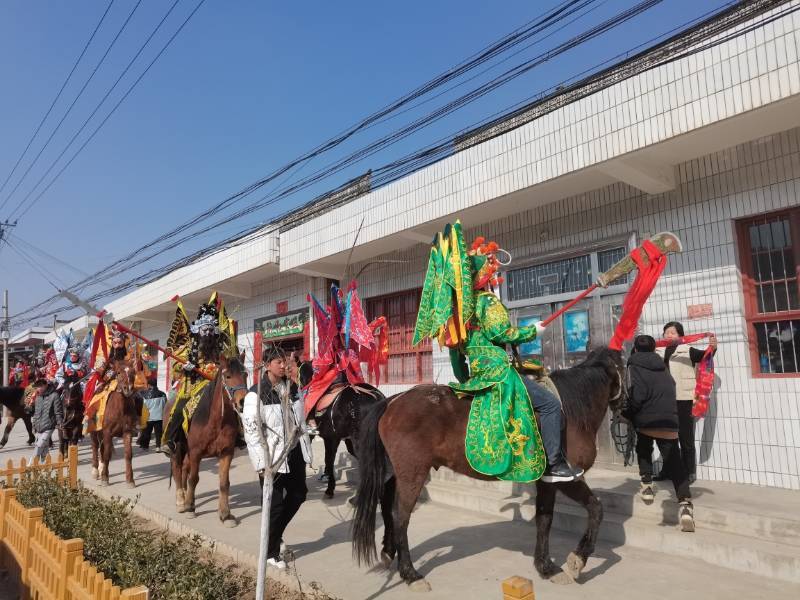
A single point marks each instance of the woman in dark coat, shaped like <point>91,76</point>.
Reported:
<point>653,410</point>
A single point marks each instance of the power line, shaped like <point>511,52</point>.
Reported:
<point>430,154</point>
<point>319,175</point>
<point>90,117</point>
<point>41,270</point>
<point>530,29</point>
<point>71,106</point>
<point>53,103</point>
<point>18,240</point>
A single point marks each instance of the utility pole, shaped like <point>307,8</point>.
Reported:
<point>5,225</point>
<point>5,332</point>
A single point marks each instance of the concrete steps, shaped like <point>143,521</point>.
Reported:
<point>745,528</point>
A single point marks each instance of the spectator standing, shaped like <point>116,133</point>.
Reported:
<point>653,410</point>
<point>681,361</point>
<point>155,400</point>
<point>48,414</point>
<point>263,421</point>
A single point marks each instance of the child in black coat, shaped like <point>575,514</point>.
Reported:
<point>653,410</point>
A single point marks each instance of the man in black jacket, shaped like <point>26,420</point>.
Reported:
<point>653,410</point>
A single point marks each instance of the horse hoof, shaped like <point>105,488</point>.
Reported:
<point>103,483</point>
<point>353,500</point>
<point>180,508</point>
<point>190,514</point>
<point>574,566</point>
<point>386,560</point>
<point>562,578</point>
<point>95,473</point>
<point>131,485</point>
<point>546,569</point>
<point>328,494</point>
<point>231,522</point>
<point>420,585</point>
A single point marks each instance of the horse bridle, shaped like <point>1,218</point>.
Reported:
<point>230,390</point>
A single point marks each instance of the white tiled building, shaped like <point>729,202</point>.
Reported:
<point>704,143</point>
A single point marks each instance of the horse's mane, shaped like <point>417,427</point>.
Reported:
<point>203,410</point>
<point>578,386</point>
<point>10,396</point>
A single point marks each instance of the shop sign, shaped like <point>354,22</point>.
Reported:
<point>282,325</point>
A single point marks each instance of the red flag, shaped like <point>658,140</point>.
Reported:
<point>704,382</point>
<point>640,291</point>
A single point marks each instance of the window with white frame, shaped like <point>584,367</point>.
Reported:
<point>565,276</point>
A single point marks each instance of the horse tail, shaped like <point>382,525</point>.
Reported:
<point>372,473</point>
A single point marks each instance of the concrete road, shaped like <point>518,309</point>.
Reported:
<point>461,554</point>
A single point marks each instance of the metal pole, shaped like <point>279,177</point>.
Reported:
<point>6,333</point>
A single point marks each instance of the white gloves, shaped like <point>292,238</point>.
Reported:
<point>188,367</point>
<point>539,327</point>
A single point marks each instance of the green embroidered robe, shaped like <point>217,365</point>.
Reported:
<point>502,437</point>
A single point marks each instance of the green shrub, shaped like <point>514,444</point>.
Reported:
<point>128,552</point>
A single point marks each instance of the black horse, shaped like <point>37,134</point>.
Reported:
<point>13,398</point>
<point>341,421</point>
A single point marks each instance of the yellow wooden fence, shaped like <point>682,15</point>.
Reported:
<point>65,468</point>
<point>45,566</point>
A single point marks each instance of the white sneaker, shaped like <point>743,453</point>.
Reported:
<point>647,492</point>
<point>276,563</point>
<point>686,516</point>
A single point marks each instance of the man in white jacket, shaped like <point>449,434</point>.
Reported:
<point>265,427</point>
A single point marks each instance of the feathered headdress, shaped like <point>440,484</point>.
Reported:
<point>484,263</point>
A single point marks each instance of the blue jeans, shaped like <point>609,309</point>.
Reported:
<point>549,408</point>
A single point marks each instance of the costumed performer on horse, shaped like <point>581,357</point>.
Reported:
<point>200,344</point>
<point>459,308</point>
<point>104,378</point>
<point>346,340</point>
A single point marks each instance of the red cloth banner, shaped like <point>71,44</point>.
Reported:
<point>646,279</point>
<point>705,371</point>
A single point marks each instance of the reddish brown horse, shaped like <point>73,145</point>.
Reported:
<point>120,420</point>
<point>212,433</point>
<point>426,426</point>
<point>13,399</point>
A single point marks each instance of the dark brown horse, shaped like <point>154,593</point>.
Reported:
<point>212,433</point>
<point>426,426</point>
<point>119,421</point>
<point>13,399</point>
<point>70,433</point>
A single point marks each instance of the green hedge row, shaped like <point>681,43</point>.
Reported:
<point>128,552</point>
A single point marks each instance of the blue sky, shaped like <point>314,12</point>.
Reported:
<point>245,87</point>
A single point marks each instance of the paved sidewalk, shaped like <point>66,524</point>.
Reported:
<point>462,554</point>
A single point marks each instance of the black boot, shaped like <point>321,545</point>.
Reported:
<point>560,472</point>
